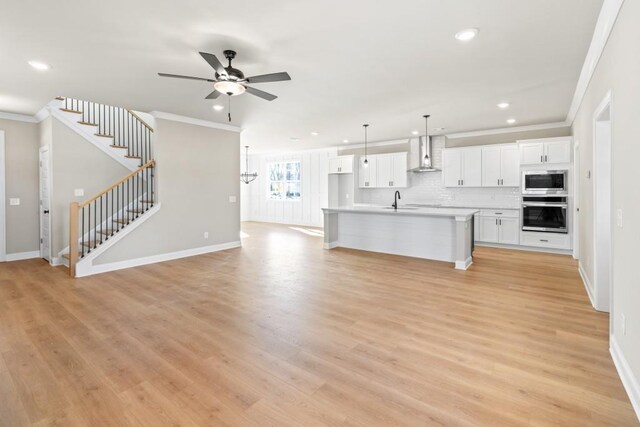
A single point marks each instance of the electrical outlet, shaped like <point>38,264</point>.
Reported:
<point>619,217</point>
<point>623,324</point>
<point>206,235</point>
<point>232,199</point>
<point>14,201</point>
<point>78,192</point>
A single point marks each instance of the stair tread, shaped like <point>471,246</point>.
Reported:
<point>68,110</point>
<point>104,135</point>
<point>60,98</point>
<point>87,123</point>
<point>133,157</point>
<point>121,221</point>
<point>67,256</point>
<point>119,146</point>
<point>91,243</point>
<point>136,210</point>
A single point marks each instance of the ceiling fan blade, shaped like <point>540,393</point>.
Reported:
<point>213,95</point>
<point>266,78</point>
<point>260,93</point>
<point>213,61</point>
<point>177,76</point>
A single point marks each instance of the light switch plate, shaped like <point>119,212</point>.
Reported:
<point>232,199</point>
<point>78,192</point>
<point>15,201</point>
<point>619,217</point>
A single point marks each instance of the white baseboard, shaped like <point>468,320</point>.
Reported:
<point>88,270</point>
<point>587,283</point>
<point>23,255</point>
<point>524,248</point>
<point>331,245</point>
<point>283,222</point>
<point>463,265</point>
<point>629,381</point>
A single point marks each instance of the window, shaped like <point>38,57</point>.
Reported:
<point>284,181</point>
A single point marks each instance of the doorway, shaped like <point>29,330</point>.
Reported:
<point>602,204</point>
<point>3,213</point>
<point>45,203</point>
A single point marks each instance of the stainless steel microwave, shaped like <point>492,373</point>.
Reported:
<point>541,182</point>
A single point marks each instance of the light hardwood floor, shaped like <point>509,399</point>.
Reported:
<point>282,332</point>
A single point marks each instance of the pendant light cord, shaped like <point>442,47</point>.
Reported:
<point>365,142</point>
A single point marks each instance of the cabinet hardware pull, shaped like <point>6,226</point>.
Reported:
<point>541,159</point>
<point>496,221</point>
<point>546,158</point>
<point>544,240</point>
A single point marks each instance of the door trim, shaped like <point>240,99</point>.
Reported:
<point>576,200</point>
<point>3,210</point>
<point>40,151</point>
<point>604,105</point>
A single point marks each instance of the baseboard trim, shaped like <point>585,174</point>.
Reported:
<point>524,248</point>
<point>463,265</point>
<point>331,245</point>
<point>113,266</point>
<point>19,256</point>
<point>629,381</point>
<point>586,283</point>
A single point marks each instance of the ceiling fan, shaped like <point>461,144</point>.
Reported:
<point>231,81</point>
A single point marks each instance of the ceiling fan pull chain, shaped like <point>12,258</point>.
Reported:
<point>229,108</point>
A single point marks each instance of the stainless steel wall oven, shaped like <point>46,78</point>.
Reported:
<point>545,213</point>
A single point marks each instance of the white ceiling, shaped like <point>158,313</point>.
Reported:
<point>385,62</point>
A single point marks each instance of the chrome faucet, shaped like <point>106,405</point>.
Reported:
<point>396,197</point>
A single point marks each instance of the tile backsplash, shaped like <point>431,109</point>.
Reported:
<point>428,188</point>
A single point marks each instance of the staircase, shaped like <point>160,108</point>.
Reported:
<point>102,219</point>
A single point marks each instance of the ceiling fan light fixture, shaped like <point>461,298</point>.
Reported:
<point>229,87</point>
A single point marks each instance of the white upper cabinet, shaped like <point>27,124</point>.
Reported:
<point>545,151</point>
<point>383,171</point>
<point>367,175</point>
<point>463,167</point>
<point>341,164</point>
<point>500,166</point>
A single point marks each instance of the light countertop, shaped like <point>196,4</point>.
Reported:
<point>405,211</point>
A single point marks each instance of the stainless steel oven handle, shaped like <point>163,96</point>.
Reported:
<point>552,205</point>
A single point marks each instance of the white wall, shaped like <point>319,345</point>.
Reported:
<point>618,71</point>
<point>197,171</point>
<point>306,211</point>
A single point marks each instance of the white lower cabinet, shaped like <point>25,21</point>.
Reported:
<point>499,226</point>
<point>546,240</point>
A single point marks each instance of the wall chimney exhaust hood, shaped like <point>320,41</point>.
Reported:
<point>424,151</point>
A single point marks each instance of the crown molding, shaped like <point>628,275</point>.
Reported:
<point>604,25</point>
<point>18,117</point>
<point>508,130</point>
<point>42,114</point>
<point>198,122</point>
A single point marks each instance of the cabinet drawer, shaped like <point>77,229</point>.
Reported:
<point>545,240</point>
<point>508,213</point>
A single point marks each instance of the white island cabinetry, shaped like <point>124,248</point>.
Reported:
<point>443,234</point>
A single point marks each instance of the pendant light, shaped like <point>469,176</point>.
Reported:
<point>245,176</point>
<point>366,161</point>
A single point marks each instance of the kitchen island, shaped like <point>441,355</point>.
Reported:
<point>442,234</point>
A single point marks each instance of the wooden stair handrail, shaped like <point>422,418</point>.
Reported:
<point>112,186</point>
<point>140,120</point>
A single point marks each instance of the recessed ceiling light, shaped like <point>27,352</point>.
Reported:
<point>218,107</point>
<point>511,121</point>
<point>346,141</point>
<point>466,35</point>
<point>293,138</point>
<point>39,65</point>
<point>439,129</point>
<point>414,132</point>
<point>315,133</point>
<point>503,105</point>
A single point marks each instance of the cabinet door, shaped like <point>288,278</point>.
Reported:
<point>399,170</point>
<point>509,231</point>
<point>476,227</point>
<point>346,164</point>
<point>367,174</point>
<point>488,229</point>
<point>531,153</point>
<point>384,170</point>
<point>558,151</point>
<point>491,166</point>
<point>509,166</point>
<point>472,167</point>
<point>334,165</point>
<point>452,167</point>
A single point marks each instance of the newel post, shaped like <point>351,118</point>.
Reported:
<point>73,238</point>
